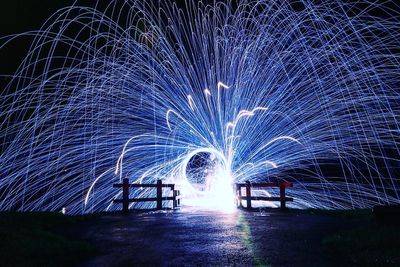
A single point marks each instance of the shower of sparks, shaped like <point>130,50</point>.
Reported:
<point>256,90</point>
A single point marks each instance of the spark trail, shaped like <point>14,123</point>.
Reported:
<point>204,96</point>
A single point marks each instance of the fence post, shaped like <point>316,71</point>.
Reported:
<point>248,195</point>
<point>173,196</point>
<point>282,195</point>
<point>159,194</point>
<point>125,195</point>
<point>239,194</point>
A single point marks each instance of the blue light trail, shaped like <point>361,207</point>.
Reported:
<point>262,89</point>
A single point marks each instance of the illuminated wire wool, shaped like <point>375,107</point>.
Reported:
<point>263,89</point>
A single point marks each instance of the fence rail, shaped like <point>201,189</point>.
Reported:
<point>175,198</point>
<point>248,197</point>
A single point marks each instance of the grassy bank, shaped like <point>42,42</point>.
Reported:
<point>41,239</point>
<point>366,243</point>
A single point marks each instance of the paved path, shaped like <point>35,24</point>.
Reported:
<point>191,237</point>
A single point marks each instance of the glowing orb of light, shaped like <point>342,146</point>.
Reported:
<point>206,180</point>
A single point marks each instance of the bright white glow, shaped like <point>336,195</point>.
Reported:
<point>217,192</point>
<point>167,118</point>
<point>273,164</point>
<point>220,84</point>
<point>191,103</point>
<point>260,108</point>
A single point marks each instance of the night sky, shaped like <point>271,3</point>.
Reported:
<point>19,16</point>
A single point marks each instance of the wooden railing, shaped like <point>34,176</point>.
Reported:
<point>248,197</point>
<point>159,198</point>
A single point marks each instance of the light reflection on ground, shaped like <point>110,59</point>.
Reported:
<point>193,236</point>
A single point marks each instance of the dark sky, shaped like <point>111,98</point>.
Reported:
<point>23,15</point>
<point>17,16</point>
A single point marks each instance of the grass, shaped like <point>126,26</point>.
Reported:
<point>38,239</point>
<point>367,244</point>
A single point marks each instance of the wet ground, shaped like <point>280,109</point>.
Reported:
<point>190,237</point>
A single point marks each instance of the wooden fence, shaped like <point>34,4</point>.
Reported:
<point>248,197</point>
<point>175,198</point>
